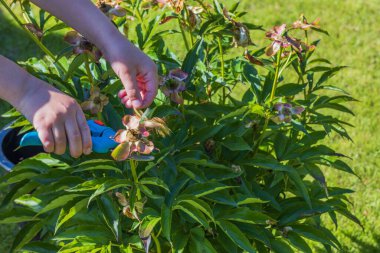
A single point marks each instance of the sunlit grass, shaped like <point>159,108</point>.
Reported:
<point>354,41</point>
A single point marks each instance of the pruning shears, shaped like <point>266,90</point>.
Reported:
<point>101,136</point>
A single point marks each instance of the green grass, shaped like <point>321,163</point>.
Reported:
<point>354,41</point>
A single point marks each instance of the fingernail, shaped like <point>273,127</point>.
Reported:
<point>136,103</point>
<point>87,151</point>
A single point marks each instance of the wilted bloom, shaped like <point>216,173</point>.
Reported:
<point>173,84</point>
<point>132,214</point>
<point>81,45</point>
<point>304,25</point>
<point>111,8</point>
<point>96,102</point>
<point>35,30</point>
<point>285,111</point>
<point>241,35</point>
<point>278,38</point>
<point>194,17</point>
<point>252,59</point>
<point>134,138</point>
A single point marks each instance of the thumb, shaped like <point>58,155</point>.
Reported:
<point>131,88</point>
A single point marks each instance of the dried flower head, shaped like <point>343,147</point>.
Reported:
<point>303,24</point>
<point>172,84</point>
<point>134,139</point>
<point>111,8</point>
<point>96,102</point>
<point>285,111</point>
<point>81,45</point>
<point>241,35</point>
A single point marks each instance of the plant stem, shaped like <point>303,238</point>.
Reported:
<point>88,71</point>
<point>183,35</point>
<point>276,76</point>
<point>274,87</point>
<point>33,37</point>
<point>157,242</point>
<point>221,53</point>
<point>135,178</point>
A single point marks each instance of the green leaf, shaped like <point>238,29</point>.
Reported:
<point>300,185</point>
<point>147,225</point>
<point>193,56</point>
<point>26,234</point>
<point>40,247</point>
<point>203,206</point>
<point>88,233</point>
<point>315,234</point>
<point>17,215</point>
<point>235,143</point>
<point>245,215</point>
<point>166,221</point>
<point>298,242</point>
<point>203,189</point>
<point>74,65</point>
<point>235,234</point>
<point>202,162</point>
<point>193,212</point>
<point>289,89</point>
<point>202,135</point>
<point>110,185</point>
<point>69,212</point>
<point>110,214</point>
<point>154,181</point>
<point>59,202</point>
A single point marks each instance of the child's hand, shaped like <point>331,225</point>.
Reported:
<point>136,70</point>
<point>57,118</point>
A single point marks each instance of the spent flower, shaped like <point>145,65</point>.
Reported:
<point>134,139</point>
<point>81,45</point>
<point>303,24</point>
<point>111,8</point>
<point>285,112</point>
<point>96,102</point>
<point>241,35</point>
<point>173,84</point>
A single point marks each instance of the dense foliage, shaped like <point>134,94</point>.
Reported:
<point>241,168</point>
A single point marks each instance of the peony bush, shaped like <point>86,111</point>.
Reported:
<point>230,157</point>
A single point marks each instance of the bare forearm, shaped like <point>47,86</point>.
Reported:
<point>84,17</point>
<point>15,82</point>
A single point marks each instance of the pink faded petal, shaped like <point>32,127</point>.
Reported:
<point>181,87</point>
<point>273,48</point>
<point>121,152</point>
<point>73,38</point>
<point>166,91</point>
<point>278,107</point>
<point>145,148</point>
<point>78,50</point>
<point>145,134</point>
<point>178,74</point>
<point>175,97</point>
<point>297,110</point>
<point>131,122</point>
<point>280,29</point>
<point>118,11</point>
<point>121,136</point>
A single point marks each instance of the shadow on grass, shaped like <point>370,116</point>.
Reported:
<point>16,45</point>
<point>365,247</point>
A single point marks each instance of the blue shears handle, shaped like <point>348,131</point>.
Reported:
<point>101,136</point>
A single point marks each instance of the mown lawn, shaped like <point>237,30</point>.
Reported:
<point>354,41</point>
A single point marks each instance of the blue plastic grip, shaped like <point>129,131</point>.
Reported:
<point>101,136</point>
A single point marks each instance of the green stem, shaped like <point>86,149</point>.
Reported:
<point>135,178</point>
<point>88,71</point>
<point>157,242</point>
<point>183,35</point>
<point>33,37</point>
<point>276,76</point>
<point>274,87</point>
<point>221,53</point>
